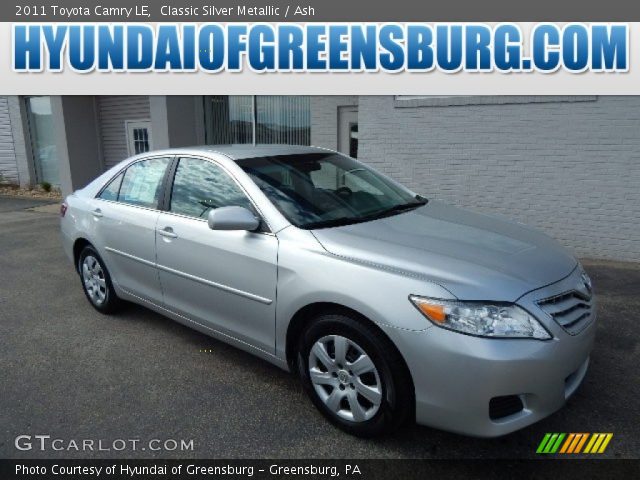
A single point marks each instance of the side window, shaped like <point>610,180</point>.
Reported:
<point>200,186</point>
<point>142,182</point>
<point>110,192</point>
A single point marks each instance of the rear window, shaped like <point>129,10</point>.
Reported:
<point>111,191</point>
<point>140,184</point>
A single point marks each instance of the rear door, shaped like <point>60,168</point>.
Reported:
<point>225,280</point>
<point>125,216</point>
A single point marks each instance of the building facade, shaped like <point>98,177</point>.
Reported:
<point>567,165</point>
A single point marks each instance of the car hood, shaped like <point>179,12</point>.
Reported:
<point>474,256</point>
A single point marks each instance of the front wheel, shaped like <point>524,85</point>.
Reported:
<point>354,376</point>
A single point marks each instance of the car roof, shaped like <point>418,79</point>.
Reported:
<point>242,151</point>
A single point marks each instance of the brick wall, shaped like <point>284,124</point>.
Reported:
<point>571,167</point>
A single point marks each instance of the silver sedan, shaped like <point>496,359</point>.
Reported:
<point>390,307</point>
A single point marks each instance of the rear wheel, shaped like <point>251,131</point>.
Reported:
<point>96,281</point>
<point>354,376</point>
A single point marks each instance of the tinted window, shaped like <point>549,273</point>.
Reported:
<point>111,191</point>
<point>200,186</point>
<point>142,182</point>
<point>324,189</point>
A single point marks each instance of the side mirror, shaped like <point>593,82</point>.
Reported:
<point>232,218</point>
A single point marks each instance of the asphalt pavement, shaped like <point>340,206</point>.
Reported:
<point>74,374</point>
<point>13,204</point>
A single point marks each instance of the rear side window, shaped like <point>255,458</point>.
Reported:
<point>142,182</point>
<point>200,186</point>
<point>110,192</point>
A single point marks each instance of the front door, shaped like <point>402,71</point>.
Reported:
<point>225,280</point>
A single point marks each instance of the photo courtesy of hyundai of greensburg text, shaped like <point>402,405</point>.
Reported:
<point>279,240</point>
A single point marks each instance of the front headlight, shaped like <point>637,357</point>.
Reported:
<point>586,279</point>
<point>485,320</point>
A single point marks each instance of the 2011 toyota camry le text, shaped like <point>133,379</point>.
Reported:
<point>390,307</point>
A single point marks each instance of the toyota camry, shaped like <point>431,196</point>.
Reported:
<point>389,306</point>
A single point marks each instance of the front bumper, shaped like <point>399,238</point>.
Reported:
<point>455,375</point>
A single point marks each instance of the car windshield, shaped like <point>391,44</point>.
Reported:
<point>319,190</point>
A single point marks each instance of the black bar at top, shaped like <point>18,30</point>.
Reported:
<point>337,11</point>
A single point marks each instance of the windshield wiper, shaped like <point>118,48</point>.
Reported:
<point>334,222</point>
<point>338,222</point>
<point>396,208</point>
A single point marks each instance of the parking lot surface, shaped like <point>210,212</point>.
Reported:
<point>74,374</point>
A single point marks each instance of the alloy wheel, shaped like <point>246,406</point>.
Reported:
<point>345,378</point>
<point>94,280</point>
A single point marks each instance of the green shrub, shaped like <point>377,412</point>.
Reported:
<point>46,186</point>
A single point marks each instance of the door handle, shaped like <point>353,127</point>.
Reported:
<point>97,213</point>
<point>167,232</point>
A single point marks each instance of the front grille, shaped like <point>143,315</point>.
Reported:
<point>571,310</point>
<point>500,407</point>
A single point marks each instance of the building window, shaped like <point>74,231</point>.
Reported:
<point>353,140</point>
<point>228,119</point>
<point>42,135</point>
<point>138,136</point>
<point>283,119</point>
<point>257,119</point>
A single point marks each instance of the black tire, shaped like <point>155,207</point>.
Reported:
<point>397,404</point>
<point>111,302</point>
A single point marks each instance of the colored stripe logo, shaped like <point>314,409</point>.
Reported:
<point>574,443</point>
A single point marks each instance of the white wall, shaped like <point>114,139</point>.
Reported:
<point>8,162</point>
<point>571,168</point>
